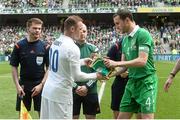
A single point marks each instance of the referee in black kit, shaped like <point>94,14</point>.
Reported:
<point>33,56</point>
<point>120,81</point>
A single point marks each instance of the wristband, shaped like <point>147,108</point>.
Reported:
<point>87,86</point>
<point>172,74</point>
<point>75,86</point>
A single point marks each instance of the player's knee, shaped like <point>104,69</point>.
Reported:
<point>147,116</point>
<point>125,115</point>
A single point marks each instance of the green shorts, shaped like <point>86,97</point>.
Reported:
<point>140,95</point>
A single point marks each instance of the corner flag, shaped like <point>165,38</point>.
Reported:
<point>24,114</point>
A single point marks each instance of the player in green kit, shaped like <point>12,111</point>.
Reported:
<point>85,93</point>
<point>137,56</point>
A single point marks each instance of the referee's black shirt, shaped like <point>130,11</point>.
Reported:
<point>32,57</point>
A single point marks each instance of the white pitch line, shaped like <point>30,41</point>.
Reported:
<point>101,91</point>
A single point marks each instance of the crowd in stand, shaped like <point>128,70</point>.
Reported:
<point>23,3</point>
<point>10,35</point>
<point>30,3</point>
<point>87,3</point>
<point>112,3</point>
<point>166,38</point>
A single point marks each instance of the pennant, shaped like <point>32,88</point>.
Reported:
<point>98,66</point>
<point>24,114</point>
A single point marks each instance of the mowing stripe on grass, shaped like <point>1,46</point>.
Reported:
<point>5,76</point>
<point>165,62</point>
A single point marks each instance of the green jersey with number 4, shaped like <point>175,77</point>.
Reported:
<point>132,45</point>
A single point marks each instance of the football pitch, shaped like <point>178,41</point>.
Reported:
<point>168,104</point>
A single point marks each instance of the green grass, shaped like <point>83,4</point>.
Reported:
<point>168,104</point>
<point>8,94</point>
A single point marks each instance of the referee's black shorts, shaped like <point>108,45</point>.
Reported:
<point>117,91</point>
<point>90,104</point>
<point>27,99</point>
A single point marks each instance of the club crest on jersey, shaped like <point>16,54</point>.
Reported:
<point>39,60</point>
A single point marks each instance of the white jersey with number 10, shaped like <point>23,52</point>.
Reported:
<point>64,68</point>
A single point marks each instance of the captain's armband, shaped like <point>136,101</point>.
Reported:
<point>144,48</point>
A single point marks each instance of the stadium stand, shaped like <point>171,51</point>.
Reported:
<point>31,3</point>
<point>88,3</point>
<point>11,34</point>
<point>165,40</point>
<point>166,37</point>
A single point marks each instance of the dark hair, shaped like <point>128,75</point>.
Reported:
<point>34,20</point>
<point>115,15</point>
<point>123,14</point>
<point>72,21</point>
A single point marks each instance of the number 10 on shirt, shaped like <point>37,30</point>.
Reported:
<point>53,59</point>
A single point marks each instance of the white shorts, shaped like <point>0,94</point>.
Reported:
<point>54,110</point>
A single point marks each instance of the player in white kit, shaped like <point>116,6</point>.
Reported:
<point>64,69</point>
